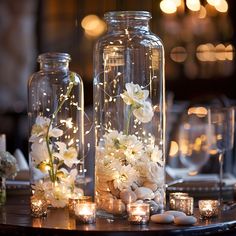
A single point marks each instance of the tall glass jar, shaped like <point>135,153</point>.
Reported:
<point>129,115</point>
<point>56,124</point>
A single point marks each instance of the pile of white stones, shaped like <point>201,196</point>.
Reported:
<point>176,217</point>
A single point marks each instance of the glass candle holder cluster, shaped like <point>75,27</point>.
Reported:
<point>138,213</point>
<point>208,208</point>
<point>38,206</point>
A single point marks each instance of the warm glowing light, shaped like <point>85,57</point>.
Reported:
<point>213,2</point>
<point>229,51</point>
<point>93,25</point>
<point>202,12</point>
<point>221,6</point>
<point>174,148</point>
<point>220,52</point>
<point>178,54</point>
<point>178,2</point>
<point>199,111</point>
<point>193,5</point>
<point>206,52</point>
<point>168,6</point>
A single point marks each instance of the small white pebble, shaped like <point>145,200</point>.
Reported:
<point>175,213</point>
<point>162,218</point>
<point>185,220</point>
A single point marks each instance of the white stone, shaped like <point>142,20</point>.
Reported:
<point>162,218</point>
<point>185,220</point>
<point>128,196</point>
<point>152,186</point>
<point>175,213</point>
<point>144,193</point>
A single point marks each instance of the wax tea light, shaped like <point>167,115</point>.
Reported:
<point>208,208</point>
<point>85,213</point>
<point>184,204</point>
<point>38,206</point>
<point>139,213</point>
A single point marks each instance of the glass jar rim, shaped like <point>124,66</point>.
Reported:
<point>121,15</point>
<point>59,56</point>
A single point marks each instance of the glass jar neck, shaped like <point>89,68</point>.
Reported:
<point>54,61</point>
<point>128,21</point>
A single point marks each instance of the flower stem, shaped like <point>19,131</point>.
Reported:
<point>52,172</point>
<point>128,121</point>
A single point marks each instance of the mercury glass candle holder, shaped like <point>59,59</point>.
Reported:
<point>139,213</point>
<point>38,206</point>
<point>172,197</point>
<point>85,213</point>
<point>184,204</point>
<point>73,201</point>
<point>208,208</point>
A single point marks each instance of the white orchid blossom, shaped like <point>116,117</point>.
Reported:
<point>144,113</point>
<point>40,128</point>
<point>137,97</point>
<point>68,155</point>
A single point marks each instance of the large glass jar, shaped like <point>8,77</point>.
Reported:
<point>129,115</point>
<point>55,111</point>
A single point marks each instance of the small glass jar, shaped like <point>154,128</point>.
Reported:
<point>56,124</point>
<point>129,113</point>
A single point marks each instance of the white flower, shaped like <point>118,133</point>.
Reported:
<point>40,128</point>
<point>39,152</point>
<point>125,177</point>
<point>152,172</point>
<point>58,195</point>
<point>8,165</point>
<point>154,153</point>
<point>134,94</point>
<point>69,156</point>
<point>144,113</point>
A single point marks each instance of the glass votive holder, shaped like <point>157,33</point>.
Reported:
<point>85,213</point>
<point>38,206</point>
<point>208,208</point>
<point>138,213</point>
<point>73,201</point>
<point>172,197</point>
<point>184,204</point>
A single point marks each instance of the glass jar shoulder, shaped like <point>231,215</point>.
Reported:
<point>145,39</point>
<point>55,77</point>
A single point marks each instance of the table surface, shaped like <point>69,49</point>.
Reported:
<point>15,219</point>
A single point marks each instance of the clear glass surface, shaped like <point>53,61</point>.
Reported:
<point>129,113</point>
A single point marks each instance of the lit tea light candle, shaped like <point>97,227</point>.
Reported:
<point>208,208</point>
<point>184,204</point>
<point>74,200</point>
<point>85,213</point>
<point>139,213</point>
<point>38,206</point>
<point>172,197</point>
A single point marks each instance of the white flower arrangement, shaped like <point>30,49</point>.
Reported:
<point>125,160</point>
<point>55,160</point>
<point>8,165</point>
